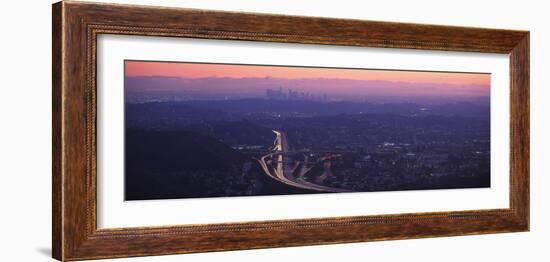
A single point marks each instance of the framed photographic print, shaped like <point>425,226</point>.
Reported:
<point>181,130</point>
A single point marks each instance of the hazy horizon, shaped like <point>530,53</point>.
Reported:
<point>191,81</point>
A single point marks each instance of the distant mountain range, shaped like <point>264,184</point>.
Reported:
<point>192,112</point>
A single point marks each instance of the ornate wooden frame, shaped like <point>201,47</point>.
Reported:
<point>76,26</point>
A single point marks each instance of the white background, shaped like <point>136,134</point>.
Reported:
<point>113,211</point>
<point>25,147</point>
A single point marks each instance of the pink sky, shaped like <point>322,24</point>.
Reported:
<point>474,83</point>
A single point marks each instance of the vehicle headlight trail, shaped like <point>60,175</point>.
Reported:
<point>276,165</point>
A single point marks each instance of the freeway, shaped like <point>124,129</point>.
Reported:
<point>284,172</point>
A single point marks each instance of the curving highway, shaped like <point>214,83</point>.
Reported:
<point>283,171</point>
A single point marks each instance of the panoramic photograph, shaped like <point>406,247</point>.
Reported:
<point>197,130</point>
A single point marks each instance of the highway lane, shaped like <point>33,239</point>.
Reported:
<point>283,172</point>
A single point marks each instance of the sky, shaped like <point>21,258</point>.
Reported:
<point>255,79</point>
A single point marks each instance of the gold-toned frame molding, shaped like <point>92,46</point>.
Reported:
<point>76,26</point>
